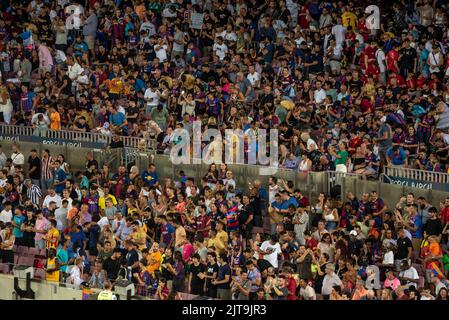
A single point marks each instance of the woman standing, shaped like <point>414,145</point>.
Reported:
<point>7,245</point>
<point>5,105</point>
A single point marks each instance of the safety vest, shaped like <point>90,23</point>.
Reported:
<point>105,295</point>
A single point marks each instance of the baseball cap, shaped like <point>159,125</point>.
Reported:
<point>353,233</point>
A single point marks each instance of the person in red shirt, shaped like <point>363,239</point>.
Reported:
<point>396,79</point>
<point>354,142</point>
<point>311,242</point>
<point>203,222</point>
<point>392,60</point>
<point>444,211</point>
<point>290,284</point>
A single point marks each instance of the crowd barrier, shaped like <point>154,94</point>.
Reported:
<point>46,290</point>
<point>392,183</point>
<point>73,138</point>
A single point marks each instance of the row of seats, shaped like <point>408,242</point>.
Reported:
<point>29,250</point>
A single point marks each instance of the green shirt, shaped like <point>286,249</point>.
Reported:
<point>343,159</point>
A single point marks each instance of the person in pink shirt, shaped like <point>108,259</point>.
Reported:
<point>45,58</point>
<point>391,281</point>
<point>40,227</point>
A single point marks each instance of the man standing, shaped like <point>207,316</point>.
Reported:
<point>47,170</point>
<point>223,279</point>
<point>34,169</point>
<point>330,280</point>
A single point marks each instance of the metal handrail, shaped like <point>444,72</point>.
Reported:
<point>70,135</point>
<point>133,142</point>
<point>415,174</point>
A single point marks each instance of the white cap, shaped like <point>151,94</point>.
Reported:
<point>353,233</point>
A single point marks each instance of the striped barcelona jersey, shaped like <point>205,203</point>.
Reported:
<point>232,222</point>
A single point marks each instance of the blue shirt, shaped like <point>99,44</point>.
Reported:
<point>150,178</point>
<point>286,203</point>
<point>63,257</point>
<point>18,221</point>
<point>78,237</point>
<point>117,119</point>
<point>397,159</point>
<point>60,176</point>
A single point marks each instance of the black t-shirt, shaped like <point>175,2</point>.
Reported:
<point>91,163</point>
<point>165,271</point>
<point>403,245</point>
<point>131,258</point>
<point>284,291</point>
<point>222,272</point>
<point>408,57</point>
<point>210,270</point>
<point>244,214</point>
<point>35,163</point>
<point>111,267</point>
<point>29,235</point>
<point>197,284</point>
<point>433,227</point>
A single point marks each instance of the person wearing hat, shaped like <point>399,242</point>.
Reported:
<point>330,280</point>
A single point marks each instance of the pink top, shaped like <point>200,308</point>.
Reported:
<point>187,251</point>
<point>45,57</point>
<point>40,225</point>
<point>392,283</point>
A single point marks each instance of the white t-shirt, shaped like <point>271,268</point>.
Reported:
<point>388,258</point>
<point>410,273</point>
<point>220,50</point>
<point>75,275</point>
<point>319,95</point>
<point>56,198</point>
<point>103,222</point>
<point>275,251</point>
<point>6,216</point>
<point>148,27</point>
<point>308,293</point>
<point>339,32</point>
<point>253,77</point>
<point>161,53</point>
<point>18,159</point>
<point>149,94</point>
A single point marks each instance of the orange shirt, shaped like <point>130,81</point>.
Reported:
<point>156,265</point>
<point>72,213</point>
<point>55,121</point>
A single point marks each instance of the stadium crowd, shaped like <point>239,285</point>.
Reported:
<point>212,238</point>
<point>343,95</point>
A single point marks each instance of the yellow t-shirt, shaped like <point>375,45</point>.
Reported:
<point>115,86</point>
<point>349,19</point>
<point>216,243</point>
<point>52,234</point>
<point>102,201</point>
<point>52,276</point>
<point>223,236</point>
<point>139,238</point>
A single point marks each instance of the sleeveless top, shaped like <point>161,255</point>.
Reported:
<point>52,276</point>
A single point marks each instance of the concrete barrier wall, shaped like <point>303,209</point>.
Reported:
<point>390,193</point>
<point>310,184</point>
